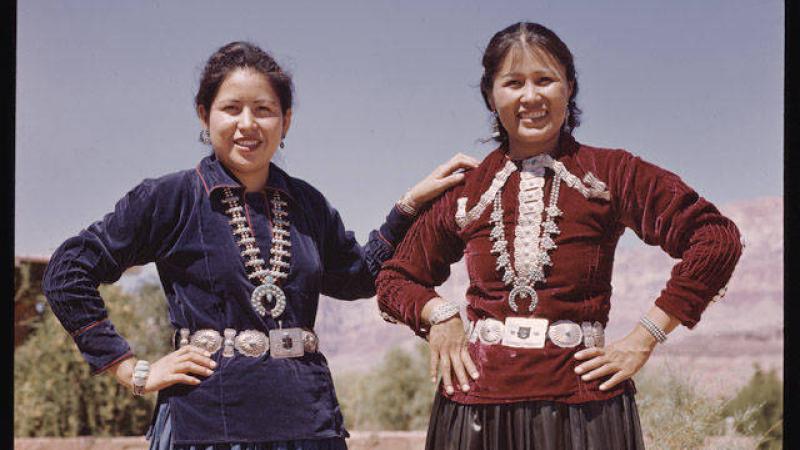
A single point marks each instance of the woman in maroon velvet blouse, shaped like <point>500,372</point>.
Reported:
<point>538,222</point>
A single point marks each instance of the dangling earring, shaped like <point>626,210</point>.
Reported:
<point>205,136</point>
<point>282,145</point>
<point>496,125</point>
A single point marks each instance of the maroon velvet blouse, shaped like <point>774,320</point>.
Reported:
<point>656,204</point>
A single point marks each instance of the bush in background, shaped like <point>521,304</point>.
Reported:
<point>673,412</point>
<point>396,395</point>
<point>758,409</point>
<point>54,392</point>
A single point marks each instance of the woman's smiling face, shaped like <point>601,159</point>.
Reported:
<point>246,124</point>
<point>530,94</point>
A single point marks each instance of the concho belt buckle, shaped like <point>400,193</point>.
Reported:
<point>490,331</point>
<point>565,333</point>
<point>523,332</point>
<point>252,343</point>
<point>286,342</point>
<point>209,340</point>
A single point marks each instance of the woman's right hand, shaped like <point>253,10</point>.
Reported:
<point>178,367</point>
<point>450,355</point>
<point>442,178</point>
<point>174,368</point>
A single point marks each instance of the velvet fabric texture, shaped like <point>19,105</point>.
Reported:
<point>656,204</point>
<point>536,425</point>
<point>160,437</point>
<point>179,222</point>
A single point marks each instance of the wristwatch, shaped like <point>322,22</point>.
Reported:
<point>140,373</point>
<point>442,312</point>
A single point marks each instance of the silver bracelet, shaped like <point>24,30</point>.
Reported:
<point>442,312</point>
<point>140,373</point>
<point>404,206</point>
<point>653,329</point>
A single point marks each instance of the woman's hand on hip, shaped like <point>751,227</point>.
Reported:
<point>621,359</point>
<point>449,354</point>
<point>443,177</point>
<point>180,366</point>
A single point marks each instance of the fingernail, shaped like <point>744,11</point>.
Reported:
<point>578,370</point>
<point>449,389</point>
<point>208,354</point>
<point>213,364</point>
<point>465,387</point>
<point>433,379</point>
<point>475,375</point>
<point>585,377</point>
<point>603,387</point>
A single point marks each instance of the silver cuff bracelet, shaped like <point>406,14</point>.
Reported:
<point>653,329</point>
<point>141,371</point>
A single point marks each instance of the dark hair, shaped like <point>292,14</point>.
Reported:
<point>534,35</point>
<point>238,55</point>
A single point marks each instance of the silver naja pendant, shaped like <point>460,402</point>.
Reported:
<point>522,291</point>
<point>267,293</point>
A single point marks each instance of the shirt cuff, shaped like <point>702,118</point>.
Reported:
<point>406,305</point>
<point>395,227</point>
<point>685,299</point>
<point>101,346</point>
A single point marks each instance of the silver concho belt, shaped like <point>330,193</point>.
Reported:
<point>281,343</point>
<point>522,332</point>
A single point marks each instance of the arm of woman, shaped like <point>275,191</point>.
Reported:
<point>139,229</point>
<point>662,210</point>
<point>349,271</point>
<point>406,289</point>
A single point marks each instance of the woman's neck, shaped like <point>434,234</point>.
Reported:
<point>253,181</point>
<point>519,150</point>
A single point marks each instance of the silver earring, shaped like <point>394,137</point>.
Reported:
<point>205,136</point>
<point>282,145</point>
<point>496,125</point>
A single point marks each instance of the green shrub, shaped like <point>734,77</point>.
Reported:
<point>396,395</point>
<point>758,408</point>
<point>673,413</point>
<point>54,393</point>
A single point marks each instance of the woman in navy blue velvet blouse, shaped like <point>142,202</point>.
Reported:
<point>243,251</point>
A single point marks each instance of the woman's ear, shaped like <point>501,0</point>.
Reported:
<point>202,114</point>
<point>287,122</point>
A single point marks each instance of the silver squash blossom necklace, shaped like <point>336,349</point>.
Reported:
<point>533,239</point>
<point>268,290</point>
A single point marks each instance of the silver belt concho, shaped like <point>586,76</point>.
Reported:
<point>519,332</point>
<point>281,343</point>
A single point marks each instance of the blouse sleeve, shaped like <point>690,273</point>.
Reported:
<point>349,270</point>
<point>662,210</point>
<point>422,261</point>
<point>126,237</point>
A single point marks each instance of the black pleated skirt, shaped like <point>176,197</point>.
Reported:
<point>535,425</point>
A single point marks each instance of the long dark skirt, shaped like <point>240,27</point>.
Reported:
<point>536,425</point>
<point>160,436</point>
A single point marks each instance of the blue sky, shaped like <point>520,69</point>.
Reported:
<point>386,90</point>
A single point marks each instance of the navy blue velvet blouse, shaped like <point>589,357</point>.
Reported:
<point>179,222</point>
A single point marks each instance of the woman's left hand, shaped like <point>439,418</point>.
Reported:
<point>443,177</point>
<point>621,359</point>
